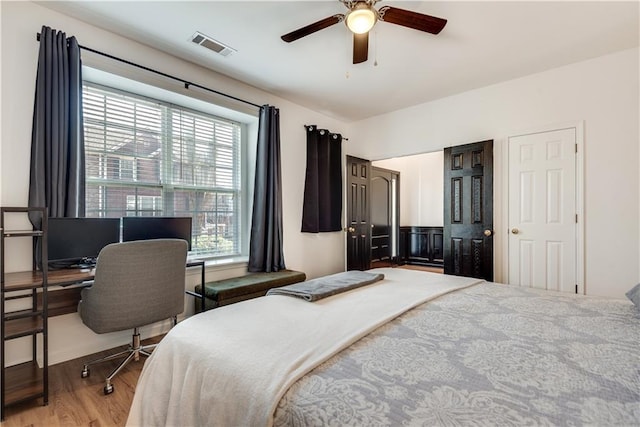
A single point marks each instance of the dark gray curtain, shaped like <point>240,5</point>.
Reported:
<point>265,248</point>
<point>57,138</point>
<point>322,208</point>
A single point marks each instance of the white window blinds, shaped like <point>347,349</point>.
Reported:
<point>149,158</point>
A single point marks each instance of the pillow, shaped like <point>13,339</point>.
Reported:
<point>634,295</point>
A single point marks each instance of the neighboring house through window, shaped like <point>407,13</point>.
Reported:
<point>146,157</point>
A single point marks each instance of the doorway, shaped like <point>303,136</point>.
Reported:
<point>384,217</point>
<point>372,215</point>
<point>440,227</point>
<point>420,208</point>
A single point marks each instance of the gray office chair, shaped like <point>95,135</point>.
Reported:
<point>136,283</point>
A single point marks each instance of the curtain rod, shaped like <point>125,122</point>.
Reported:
<point>343,138</point>
<point>185,82</point>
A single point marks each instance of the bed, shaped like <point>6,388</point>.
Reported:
<point>416,348</point>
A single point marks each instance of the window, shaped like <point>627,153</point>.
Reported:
<point>146,157</point>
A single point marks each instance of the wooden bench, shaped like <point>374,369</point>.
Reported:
<point>236,289</point>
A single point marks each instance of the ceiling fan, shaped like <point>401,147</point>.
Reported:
<point>361,18</point>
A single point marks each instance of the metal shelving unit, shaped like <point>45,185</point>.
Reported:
<point>24,381</point>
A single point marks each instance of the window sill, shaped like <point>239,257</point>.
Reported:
<point>219,264</point>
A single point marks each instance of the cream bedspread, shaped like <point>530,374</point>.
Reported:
<point>230,366</point>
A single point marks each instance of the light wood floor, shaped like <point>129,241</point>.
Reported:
<point>76,401</point>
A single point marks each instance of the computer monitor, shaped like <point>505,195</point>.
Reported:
<point>156,227</point>
<point>72,241</point>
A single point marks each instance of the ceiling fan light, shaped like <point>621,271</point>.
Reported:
<point>361,19</point>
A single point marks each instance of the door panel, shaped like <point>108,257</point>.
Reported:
<point>358,230</point>
<point>542,210</point>
<point>468,210</point>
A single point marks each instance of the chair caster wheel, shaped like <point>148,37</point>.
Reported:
<point>108,389</point>
<point>85,373</point>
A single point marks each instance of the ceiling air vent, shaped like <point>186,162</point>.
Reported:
<point>211,44</point>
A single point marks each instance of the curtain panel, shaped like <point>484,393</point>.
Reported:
<point>322,206</point>
<point>265,247</point>
<point>57,175</point>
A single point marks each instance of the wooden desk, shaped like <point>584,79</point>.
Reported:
<point>71,282</point>
<point>27,279</point>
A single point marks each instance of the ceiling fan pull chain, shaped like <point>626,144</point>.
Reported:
<point>375,53</point>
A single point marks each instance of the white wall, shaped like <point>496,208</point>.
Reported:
<point>421,187</point>
<point>316,255</point>
<point>602,92</point>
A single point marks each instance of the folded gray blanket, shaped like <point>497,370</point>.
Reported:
<point>322,287</point>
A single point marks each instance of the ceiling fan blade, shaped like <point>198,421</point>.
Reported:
<point>415,20</point>
<point>360,47</point>
<point>312,28</point>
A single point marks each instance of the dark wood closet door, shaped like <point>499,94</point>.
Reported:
<point>358,229</point>
<point>468,210</point>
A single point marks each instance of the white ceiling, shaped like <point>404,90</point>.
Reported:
<point>483,43</point>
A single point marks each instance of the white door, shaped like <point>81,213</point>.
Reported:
<point>542,210</point>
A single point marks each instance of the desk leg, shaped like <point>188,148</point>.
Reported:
<point>194,294</point>
<point>202,297</point>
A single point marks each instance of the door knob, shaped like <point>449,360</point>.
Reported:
<point>488,233</point>
<point>515,230</point>
<point>350,229</point>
